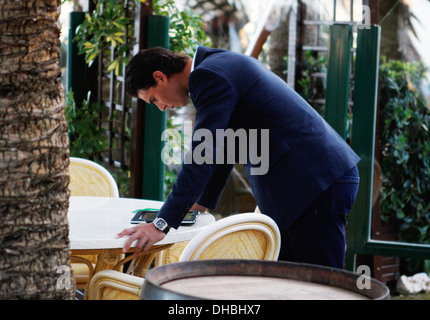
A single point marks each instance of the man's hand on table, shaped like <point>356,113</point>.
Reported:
<point>147,235</point>
<point>198,207</point>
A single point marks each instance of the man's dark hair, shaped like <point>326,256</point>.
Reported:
<point>142,66</point>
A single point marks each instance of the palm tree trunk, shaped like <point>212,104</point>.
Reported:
<point>34,155</point>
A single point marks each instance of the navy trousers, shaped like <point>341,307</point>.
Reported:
<point>318,234</point>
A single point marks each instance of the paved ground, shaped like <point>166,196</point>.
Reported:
<point>423,296</point>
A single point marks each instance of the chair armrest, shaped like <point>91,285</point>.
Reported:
<point>114,285</point>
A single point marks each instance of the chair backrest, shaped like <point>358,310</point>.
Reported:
<point>241,236</point>
<point>88,178</point>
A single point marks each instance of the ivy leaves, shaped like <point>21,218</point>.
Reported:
<point>106,28</point>
<point>103,29</point>
<point>186,30</point>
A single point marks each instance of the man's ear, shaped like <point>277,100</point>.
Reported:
<point>159,76</point>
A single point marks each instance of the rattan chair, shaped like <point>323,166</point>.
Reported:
<point>173,253</point>
<point>88,178</point>
<point>114,285</point>
<point>241,236</point>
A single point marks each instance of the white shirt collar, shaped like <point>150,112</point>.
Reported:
<point>194,61</point>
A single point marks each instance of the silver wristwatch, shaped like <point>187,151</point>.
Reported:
<point>161,225</point>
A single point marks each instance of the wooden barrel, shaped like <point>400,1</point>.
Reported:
<point>257,280</point>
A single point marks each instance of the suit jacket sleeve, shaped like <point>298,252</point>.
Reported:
<point>209,197</point>
<point>215,100</point>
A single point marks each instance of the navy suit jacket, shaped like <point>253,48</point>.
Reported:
<point>306,155</point>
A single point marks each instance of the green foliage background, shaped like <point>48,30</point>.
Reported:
<point>405,142</point>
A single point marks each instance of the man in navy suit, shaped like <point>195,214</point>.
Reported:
<point>307,178</point>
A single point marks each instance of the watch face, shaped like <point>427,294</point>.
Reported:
<point>160,224</point>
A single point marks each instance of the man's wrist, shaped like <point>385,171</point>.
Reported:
<point>161,225</point>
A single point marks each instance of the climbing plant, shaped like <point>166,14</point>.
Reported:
<point>186,30</point>
<point>105,28</point>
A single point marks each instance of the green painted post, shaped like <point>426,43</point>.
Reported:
<point>363,137</point>
<point>76,65</point>
<point>359,239</point>
<point>338,73</point>
<point>155,121</point>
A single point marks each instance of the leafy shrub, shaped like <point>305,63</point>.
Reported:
<point>405,142</point>
<point>86,138</point>
<point>103,28</point>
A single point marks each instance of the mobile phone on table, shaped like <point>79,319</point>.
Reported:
<point>149,215</point>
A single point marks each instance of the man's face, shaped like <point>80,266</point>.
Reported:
<point>167,93</point>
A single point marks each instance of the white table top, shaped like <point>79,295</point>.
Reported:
<point>95,221</point>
